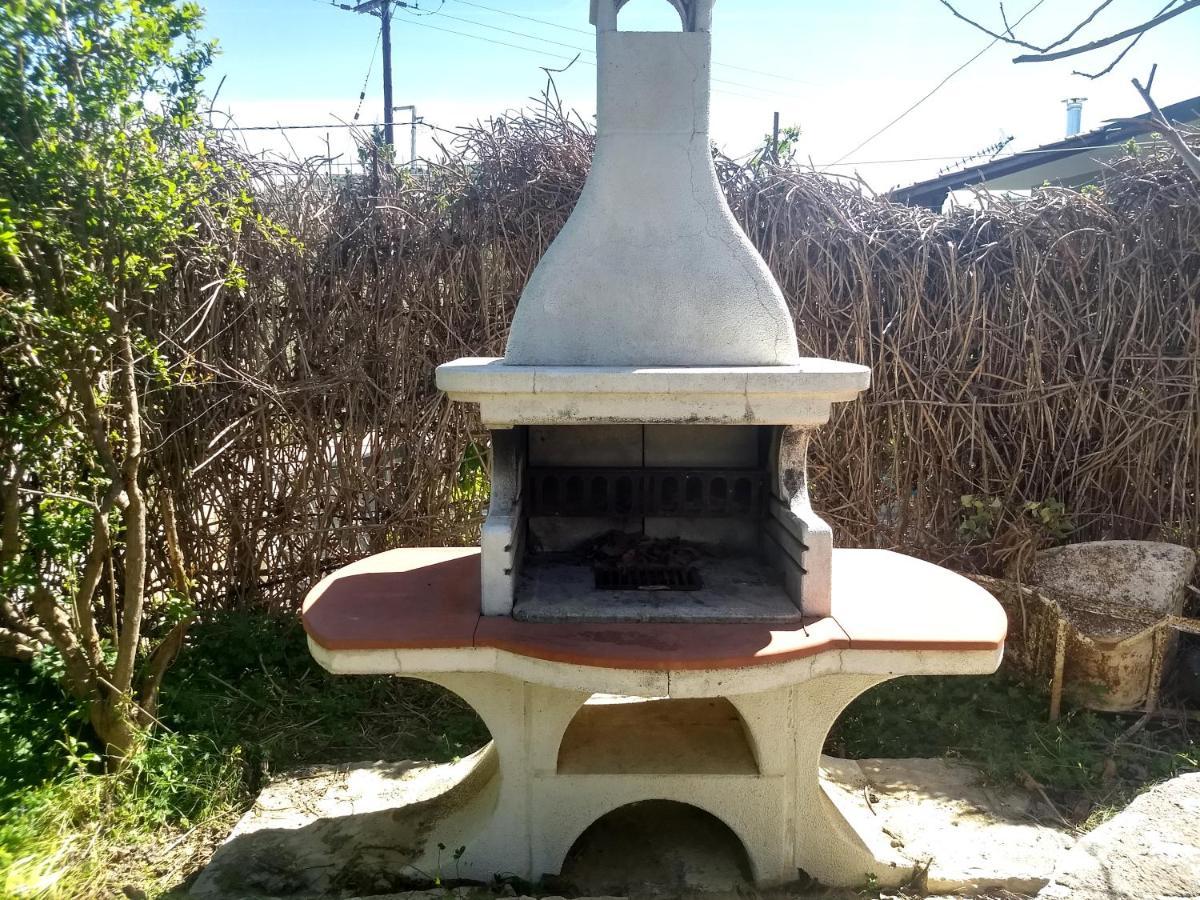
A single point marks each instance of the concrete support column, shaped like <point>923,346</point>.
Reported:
<point>828,846</point>
<point>505,834</point>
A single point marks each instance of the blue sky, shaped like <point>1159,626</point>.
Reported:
<point>839,70</point>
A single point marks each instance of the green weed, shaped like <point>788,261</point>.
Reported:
<point>246,700</point>
<point>1000,725</point>
<point>36,718</point>
<point>472,485</point>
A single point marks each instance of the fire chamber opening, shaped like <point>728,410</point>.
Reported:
<point>661,845</point>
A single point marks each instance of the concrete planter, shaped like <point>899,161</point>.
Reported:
<point>1115,598</point>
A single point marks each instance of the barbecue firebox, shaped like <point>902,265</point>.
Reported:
<point>677,508</point>
<point>729,495</point>
<point>655,610</point>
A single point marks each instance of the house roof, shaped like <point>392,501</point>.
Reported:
<point>932,192</point>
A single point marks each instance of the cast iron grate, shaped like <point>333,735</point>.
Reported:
<point>646,577</point>
<point>736,493</point>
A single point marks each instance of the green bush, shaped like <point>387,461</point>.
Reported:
<point>39,724</point>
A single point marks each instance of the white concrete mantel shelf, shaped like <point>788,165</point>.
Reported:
<point>799,394</point>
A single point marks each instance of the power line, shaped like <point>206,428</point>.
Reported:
<point>958,156</point>
<point>486,40</point>
<point>445,15</point>
<point>314,125</point>
<point>766,74</point>
<point>297,127</point>
<point>543,53</point>
<point>415,11</point>
<point>505,12</point>
<point>936,87</point>
<point>383,9</point>
<point>362,95</point>
<point>534,37</point>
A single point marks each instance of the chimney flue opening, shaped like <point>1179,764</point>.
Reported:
<point>1074,115</point>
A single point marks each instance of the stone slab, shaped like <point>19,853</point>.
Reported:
<point>321,829</point>
<point>662,646</point>
<point>975,838</point>
<point>1149,851</point>
<point>888,601</point>
<point>798,394</point>
<point>703,736</point>
<point>419,598</point>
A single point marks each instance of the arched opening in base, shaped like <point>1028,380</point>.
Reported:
<point>657,845</point>
<point>612,735</point>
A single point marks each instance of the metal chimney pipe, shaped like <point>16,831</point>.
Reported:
<point>1074,115</point>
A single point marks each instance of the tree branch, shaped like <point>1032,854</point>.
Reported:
<point>1112,65</point>
<point>10,532</point>
<point>95,422</point>
<point>93,571</point>
<point>10,548</point>
<point>1120,56</point>
<point>132,601</point>
<point>10,513</point>
<point>81,680</point>
<point>1112,38</point>
<point>1009,38</point>
<point>164,654</point>
<point>16,646</point>
<point>1168,131</point>
<point>179,576</point>
<point>158,663</point>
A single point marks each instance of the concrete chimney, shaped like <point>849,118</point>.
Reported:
<point>651,268</point>
<point>1074,115</point>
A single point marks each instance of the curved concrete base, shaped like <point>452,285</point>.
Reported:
<point>525,818</point>
<point>782,815</point>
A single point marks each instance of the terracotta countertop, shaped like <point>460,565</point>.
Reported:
<point>427,598</point>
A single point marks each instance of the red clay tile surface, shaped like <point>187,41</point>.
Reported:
<point>429,598</point>
<point>410,598</point>
<point>888,601</point>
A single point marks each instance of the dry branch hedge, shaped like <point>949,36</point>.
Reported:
<point>1048,351</point>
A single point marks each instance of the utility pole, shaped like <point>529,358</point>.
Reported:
<point>385,15</point>
<point>383,9</point>
<point>775,140</point>
<point>412,125</point>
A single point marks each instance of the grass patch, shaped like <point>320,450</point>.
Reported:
<point>87,834</point>
<point>1000,725</point>
<point>251,683</point>
<point>245,701</point>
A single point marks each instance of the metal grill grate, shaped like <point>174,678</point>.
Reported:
<point>734,493</point>
<point>616,577</point>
